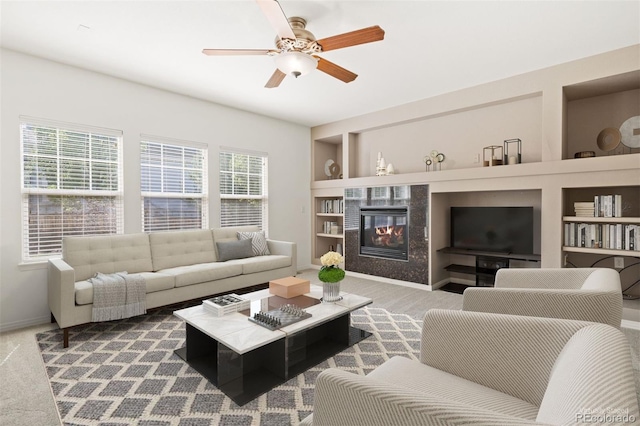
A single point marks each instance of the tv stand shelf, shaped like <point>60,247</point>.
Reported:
<point>506,255</point>
<point>465,269</point>
<point>487,263</point>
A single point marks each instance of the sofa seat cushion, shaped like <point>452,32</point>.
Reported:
<point>155,282</point>
<point>425,379</point>
<point>257,264</point>
<point>203,272</point>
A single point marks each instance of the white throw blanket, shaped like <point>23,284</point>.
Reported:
<point>117,296</point>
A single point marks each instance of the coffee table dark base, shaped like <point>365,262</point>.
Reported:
<point>245,377</point>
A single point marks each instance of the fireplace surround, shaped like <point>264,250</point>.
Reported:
<point>379,248</point>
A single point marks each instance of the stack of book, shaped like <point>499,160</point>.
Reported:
<point>224,305</point>
<point>331,228</point>
<point>584,208</point>
<point>332,206</point>
<point>614,236</point>
<point>607,205</point>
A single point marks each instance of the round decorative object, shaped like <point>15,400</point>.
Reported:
<point>428,161</point>
<point>434,153</point>
<point>440,157</point>
<point>630,131</point>
<point>334,169</point>
<point>327,165</point>
<point>609,139</point>
<point>584,154</point>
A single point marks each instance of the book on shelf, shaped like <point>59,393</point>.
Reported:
<point>608,205</point>
<point>329,227</point>
<point>332,206</point>
<point>612,236</point>
<point>584,209</point>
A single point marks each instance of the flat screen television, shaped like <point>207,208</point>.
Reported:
<point>494,229</point>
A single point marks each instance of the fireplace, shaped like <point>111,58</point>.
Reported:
<point>384,232</point>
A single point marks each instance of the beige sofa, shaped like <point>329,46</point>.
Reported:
<point>490,369</point>
<point>177,266</point>
<point>584,294</point>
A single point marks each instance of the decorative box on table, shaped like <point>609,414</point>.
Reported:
<point>289,287</point>
<point>225,304</point>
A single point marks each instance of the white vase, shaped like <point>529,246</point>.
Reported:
<point>331,292</point>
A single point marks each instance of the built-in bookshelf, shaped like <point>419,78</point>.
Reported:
<point>329,226</point>
<point>604,221</point>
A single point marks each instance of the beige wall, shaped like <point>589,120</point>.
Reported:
<point>586,118</point>
<point>460,136</point>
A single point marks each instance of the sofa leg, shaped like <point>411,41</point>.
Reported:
<point>65,337</point>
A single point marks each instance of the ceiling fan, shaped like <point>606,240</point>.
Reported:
<point>297,48</point>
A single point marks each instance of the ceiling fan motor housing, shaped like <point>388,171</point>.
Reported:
<point>305,41</point>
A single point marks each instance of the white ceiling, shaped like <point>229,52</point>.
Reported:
<point>430,47</point>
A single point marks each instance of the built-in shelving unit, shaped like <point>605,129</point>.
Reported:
<point>626,261</point>
<point>600,227</point>
<point>328,225</point>
<point>557,112</point>
<point>487,263</point>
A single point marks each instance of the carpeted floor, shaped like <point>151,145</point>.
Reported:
<point>125,372</point>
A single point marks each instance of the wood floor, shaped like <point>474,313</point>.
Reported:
<point>395,298</point>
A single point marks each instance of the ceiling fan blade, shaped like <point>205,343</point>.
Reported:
<point>335,70</point>
<point>353,38</point>
<point>277,18</point>
<point>236,52</point>
<point>276,79</point>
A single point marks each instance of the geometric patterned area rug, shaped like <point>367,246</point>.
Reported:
<point>125,372</point>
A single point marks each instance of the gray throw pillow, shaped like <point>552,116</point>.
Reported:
<point>258,242</point>
<point>228,250</point>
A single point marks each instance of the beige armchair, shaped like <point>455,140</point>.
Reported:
<point>489,369</point>
<point>584,294</point>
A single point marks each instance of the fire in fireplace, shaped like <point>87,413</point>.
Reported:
<point>384,232</point>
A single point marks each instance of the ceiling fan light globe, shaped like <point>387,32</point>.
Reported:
<point>295,63</point>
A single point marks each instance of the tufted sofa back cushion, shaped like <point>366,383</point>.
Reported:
<point>107,254</point>
<point>181,248</point>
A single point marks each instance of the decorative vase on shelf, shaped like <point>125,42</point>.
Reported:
<point>330,274</point>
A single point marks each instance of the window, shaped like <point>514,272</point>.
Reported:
<point>173,181</point>
<point>243,189</point>
<point>71,184</point>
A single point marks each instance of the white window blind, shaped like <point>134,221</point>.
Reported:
<point>243,189</point>
<point>173,180</point>
<point>71,184</point>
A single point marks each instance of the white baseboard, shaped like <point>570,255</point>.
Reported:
<point>16,325</point>
<point>634,325</point>
<point>440,284</point>
<point>426,287</point>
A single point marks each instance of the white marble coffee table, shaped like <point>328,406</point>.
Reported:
<point>245,360</point>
